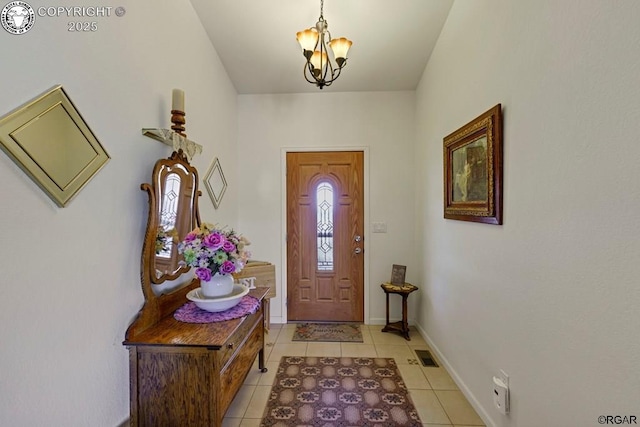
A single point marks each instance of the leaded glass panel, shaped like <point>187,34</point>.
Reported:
<point>169,210</point>
<point>324,209</point>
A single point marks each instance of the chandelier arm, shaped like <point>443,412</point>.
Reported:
<point>328,71</point>
<point>324,67</point>
<point>334,76</point>
<point>323,81</point>
<point>307,67</point>
<point>329,68</point>
<point>326,49</point>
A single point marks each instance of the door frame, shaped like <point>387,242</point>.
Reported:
<point>283,219</point>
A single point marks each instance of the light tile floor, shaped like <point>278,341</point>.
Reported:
<point>435,395</point>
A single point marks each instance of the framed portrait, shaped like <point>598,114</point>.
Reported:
<point>473,170</point>
<point>398,274</point>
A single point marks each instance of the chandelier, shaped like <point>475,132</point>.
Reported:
<point>319,69</point>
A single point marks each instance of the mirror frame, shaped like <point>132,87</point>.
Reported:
<point>154,190</point>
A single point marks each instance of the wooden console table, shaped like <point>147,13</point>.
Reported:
<point>264,274</point>
<point>403,290</point>
<point>186,374</point>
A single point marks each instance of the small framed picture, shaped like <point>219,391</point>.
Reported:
<point>215,183</point>
<point>397,274</point>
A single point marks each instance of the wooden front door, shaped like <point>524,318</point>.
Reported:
<point>325,224</point>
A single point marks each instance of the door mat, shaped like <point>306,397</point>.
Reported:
<point>339,391</point>
<point>331,332</point>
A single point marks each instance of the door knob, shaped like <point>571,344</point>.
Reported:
<point>357,250</point>
<point>357,238</point>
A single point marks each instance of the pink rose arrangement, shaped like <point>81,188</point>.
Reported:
<point>212,250</point>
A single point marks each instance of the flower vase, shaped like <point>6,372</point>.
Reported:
<point>220,285</point>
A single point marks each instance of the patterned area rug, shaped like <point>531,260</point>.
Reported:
<point>335,332</point>
<point>339,391</point>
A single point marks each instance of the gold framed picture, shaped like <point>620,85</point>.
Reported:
<point>50,141</point>
<point>473,170</point>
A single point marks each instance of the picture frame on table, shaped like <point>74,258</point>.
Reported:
<point>398,274</point>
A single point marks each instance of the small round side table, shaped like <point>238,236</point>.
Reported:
<point>403,290</point>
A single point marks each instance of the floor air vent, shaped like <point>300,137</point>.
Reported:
<point>426,358</point>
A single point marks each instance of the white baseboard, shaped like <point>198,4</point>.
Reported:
<point>277,320</point>
<point>378,321</point>
<point>383,321</point>
<point>374,321</point>
<point>481,410</point>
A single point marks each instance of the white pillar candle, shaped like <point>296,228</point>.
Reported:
<point>177,100</point>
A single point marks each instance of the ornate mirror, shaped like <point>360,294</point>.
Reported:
<point>173,212</point>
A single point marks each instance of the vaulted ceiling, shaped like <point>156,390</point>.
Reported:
<point>256,41</point>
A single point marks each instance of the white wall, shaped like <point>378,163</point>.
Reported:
<point>70,276</point>
<point>380,122</point>
<point>551,296</point>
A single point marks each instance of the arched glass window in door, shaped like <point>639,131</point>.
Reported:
<point>324,209</point>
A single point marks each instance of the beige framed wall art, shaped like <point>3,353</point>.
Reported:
<point>215,182</point>
<point>50,141</point>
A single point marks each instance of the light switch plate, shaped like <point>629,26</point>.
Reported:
<point>379,227</point>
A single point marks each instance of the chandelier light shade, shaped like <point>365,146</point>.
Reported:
<point>316,43</point>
